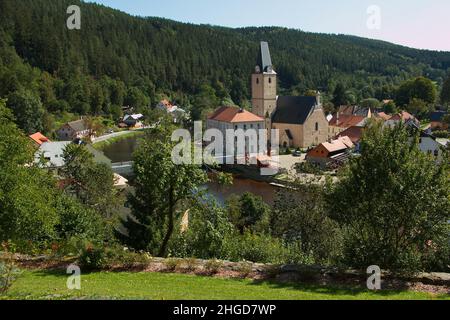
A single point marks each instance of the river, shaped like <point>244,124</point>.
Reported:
<point>122,150</point>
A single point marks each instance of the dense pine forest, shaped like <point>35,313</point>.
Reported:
<point>117,59</point>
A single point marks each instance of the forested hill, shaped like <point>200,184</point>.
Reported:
<point>117,58</point>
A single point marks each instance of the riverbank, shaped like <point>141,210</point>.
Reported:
<point>104,142</point>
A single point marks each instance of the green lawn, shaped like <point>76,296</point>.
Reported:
<point>162,286</point>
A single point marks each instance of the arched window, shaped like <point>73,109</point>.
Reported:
<point>257,80</point>
<point>270,80</point>
<point>317,126</point>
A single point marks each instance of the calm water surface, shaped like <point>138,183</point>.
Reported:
<point>122,151</point>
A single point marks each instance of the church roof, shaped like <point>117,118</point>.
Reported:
<point>234,115</point>
<point>264,59</point>
<point>293,110</point>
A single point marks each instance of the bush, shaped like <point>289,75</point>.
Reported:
<point>8,271</point>
<point>213,266</point>
<point>190,264</point>
<point>172,264</point>
<point>245,269</point>
<point>263,249</point>
<point>441,134</point>
<point>93,258</point>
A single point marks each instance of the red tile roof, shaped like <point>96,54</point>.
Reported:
<point>346,121</point>
<point>234,115</point>
<point>39,138</point>
<point>353,133</point>
<point>405,116</point>
<point>383,116</point>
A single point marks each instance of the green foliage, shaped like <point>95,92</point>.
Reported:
<point>92,183</point>
<point>213,266</point>
<point>206,234</point>
<point>28,110</point>
<point>119,59</point>
<point>264,249</point>
<point>445,93</point>
<point>390,108</point>
<point>392,203</point>
<point>370,103</point>
<point>162,192</point>
<point>172,264</point>
<point>420,88</point>
<point>93,258</point>
<point>299,216</point>
<point>248,212</point>
<point>9,272</point>
<point>441,134</point>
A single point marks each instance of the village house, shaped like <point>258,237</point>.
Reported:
<point>133,121</point>
<point>38,139</point>
<point>401,117</point>
<point>437,120</point>
<point>354,134</point>
<point>341,122</point>
<point>74,130</point>
<point>330,154</point>
<point>234,118</point>
<point>301,121</point>
<point>176,112</point>
<point>428,144</point>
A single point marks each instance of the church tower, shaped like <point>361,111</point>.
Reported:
<point>264,86</point>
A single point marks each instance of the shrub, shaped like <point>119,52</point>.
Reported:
<point>213,266</point>
<point>8,271</point>
<point>190,264</point>
<point>441,134</point>
<point>93,257</point>
<point>172,264</point>
<point>245,268</point>
<point>263,249</point>
<point>272,270</point>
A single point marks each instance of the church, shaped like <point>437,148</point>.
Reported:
<point>301,121</point>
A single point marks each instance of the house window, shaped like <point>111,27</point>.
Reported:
<point>245,127</point>
<point>251,126</point>
<point>235,127</point>
<point>270,80</point>
<point>317,126</point>
<point>257,80</point>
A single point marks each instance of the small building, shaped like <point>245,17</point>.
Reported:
<point>177,113</point>
<point>38,139</point>
<point>341,122</point>
<point>401,117</point>
<point>333,153</point>
<point>428,143</point>
<point>301,121</point>
<point>354,134</point>
<point>355,111</point>
<point>133,120</point>
<point>50,155</point>
<point>74,130</point>
<point>234,118</point>
<point>437,120</point>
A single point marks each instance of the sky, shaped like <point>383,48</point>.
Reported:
<point>423,24</point>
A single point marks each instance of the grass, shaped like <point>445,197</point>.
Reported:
<point>103,144</point>
<point>165,286</point>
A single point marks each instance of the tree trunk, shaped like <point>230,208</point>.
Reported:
<point>170,227</point>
